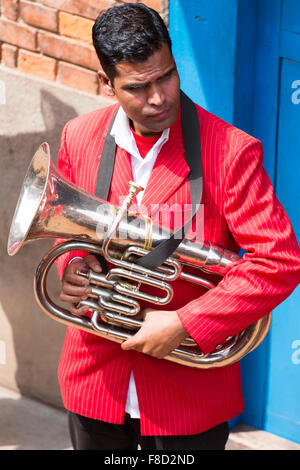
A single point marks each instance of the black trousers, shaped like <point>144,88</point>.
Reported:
<point>90,434</point>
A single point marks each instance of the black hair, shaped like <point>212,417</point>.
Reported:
<point>131,32</point>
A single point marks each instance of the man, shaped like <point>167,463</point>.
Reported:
<point>122,395</point>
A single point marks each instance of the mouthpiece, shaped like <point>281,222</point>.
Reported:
<point>134,189</point>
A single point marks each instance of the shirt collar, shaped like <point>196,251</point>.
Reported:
<point>124,138</point>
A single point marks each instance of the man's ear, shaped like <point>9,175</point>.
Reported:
<point>105,83</point>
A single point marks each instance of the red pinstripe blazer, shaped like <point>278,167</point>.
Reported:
<point>241,210</point>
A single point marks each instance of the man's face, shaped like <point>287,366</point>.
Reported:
<point>149,92</point>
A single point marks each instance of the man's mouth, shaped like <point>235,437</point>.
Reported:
<point>160,115</point>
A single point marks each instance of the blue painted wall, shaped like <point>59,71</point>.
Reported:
<point>240,59</point>
<point>204,47</point>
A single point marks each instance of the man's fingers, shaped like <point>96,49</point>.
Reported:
<point>132,343</point>
<point>70,289</point>
<point>75,287</point>
<point>126,345</point>
<point>78,311</point>
<point>75,279</point>
<point>93,263</point>
<point>72,299</point>
<point>85,264</point>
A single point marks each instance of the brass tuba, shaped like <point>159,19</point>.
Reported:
<point>49,206</point>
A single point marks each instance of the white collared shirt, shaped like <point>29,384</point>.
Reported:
<point>141,169</point>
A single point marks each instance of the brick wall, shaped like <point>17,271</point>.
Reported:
<point>51,39</point>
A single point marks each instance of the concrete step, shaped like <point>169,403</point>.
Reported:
<point>244,437</point>
<point>27,424</point>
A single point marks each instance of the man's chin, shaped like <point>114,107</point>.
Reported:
<point>160,125</point>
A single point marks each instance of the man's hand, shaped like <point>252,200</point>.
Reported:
<point>76,288</point>
<point>160,333</point>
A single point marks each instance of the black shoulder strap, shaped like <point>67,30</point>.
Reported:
<point>192,145</point>
<point>107,163</point>
<point>191,141</point>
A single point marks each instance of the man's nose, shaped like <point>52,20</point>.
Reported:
<point>156,97</point>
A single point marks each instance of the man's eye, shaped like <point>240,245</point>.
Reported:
<point>168,75</point>
<point>136,88</point>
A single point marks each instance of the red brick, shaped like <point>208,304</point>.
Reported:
<point>36,64</point>
<point>68,50</point>
<point>17,34</point>
<point>155,4</point>
<point>86,8</point>
<point>75,26</point>
<point>38,15</point>
<point>78,77</point>
<point>9,55</point>
<point>10,9</point>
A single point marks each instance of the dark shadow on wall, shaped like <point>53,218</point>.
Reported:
<point>37,339</point>
<point>18,149</point>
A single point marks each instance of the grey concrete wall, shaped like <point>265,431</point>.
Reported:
<point>31,111</point>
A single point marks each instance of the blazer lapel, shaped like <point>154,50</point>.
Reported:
<point>169,172</point>
<point>120,180</point>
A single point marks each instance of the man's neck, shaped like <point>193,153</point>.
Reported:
<point>143,134</point>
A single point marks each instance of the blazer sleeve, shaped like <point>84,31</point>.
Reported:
<point>65,170</point>
<point>270,268</point>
